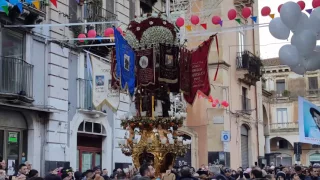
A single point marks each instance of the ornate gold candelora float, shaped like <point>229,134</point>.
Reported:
<point>151,139</point>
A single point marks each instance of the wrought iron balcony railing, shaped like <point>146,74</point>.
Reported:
<point>43,4</point>
<point>16,77</point>
<point>284,127</point>
<point>85,100</point>
<point>313,92</point>
<point>94,12</point>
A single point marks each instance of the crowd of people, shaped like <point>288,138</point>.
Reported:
<point>147,172</point>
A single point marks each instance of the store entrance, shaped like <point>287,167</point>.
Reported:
<point>89,151</point>
<point>13,139</point>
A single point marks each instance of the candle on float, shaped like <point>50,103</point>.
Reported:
<point>152,112</point>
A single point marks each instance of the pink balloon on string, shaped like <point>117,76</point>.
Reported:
<point>81,36</point>
<point>315,3</point>
<point>232,14</point>
<point>120,30</point>
<point>180,22</point>
<point>265,11</point>
<point>246,12</point>
<point>92,33</point>
<point>195,19</point>
<point>301,4</point>
<point>108,32</point>
<point>279,8</point>
<point>216,20</point>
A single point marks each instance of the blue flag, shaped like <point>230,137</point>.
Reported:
<point>125,62</point>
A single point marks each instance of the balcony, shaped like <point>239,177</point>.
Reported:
<point>248,68</point>
<point>16,80</point>
<point>284,127</point>
<point>240,4</point>
<point>95,12</point>
<point>312,93</point>
<point>30,14</point>
<point>245,105</point>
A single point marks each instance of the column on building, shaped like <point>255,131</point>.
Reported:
<point>56,149</point>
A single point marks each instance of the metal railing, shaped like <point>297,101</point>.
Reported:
<point>313,92</point>
<point>85,94</point>
<point>16,77</point>
<point>245,104</point>
<point>284,126</point>
<point>94,12</point>
<point>249,61</point>
<point>43,5</point>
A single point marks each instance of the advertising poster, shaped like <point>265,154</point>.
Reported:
<point>309,122</point>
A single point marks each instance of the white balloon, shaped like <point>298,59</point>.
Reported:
<point>314,21</point>
<point>290,13</point>
<point>278,29</point>
<point>313,62</point>
<point>299,69</point>
<point>289,55</point>
<point>302,24</point>
<point>304,41</point>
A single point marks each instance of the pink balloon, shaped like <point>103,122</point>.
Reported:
<point>279,8</point>
<point>81,36</point>
<point>315,3</point>
<point>232,14</point>
<point>246,12</point>
<point>120,30</point>
<point>92,33</point>
<point>108,32</point>
<point>214,104</point>
<point>225,103</point>
<point>195,19</point>
<point>216,20</point>
<point>301,4</point>
<point>180,22</point>
<point>265,11</point>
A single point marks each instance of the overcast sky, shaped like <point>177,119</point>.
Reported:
<point>269,46</point>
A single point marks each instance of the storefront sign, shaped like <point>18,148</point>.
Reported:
<point>13,137</point>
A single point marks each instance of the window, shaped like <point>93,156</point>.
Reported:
<point>315,146</point>
<point>313,83</point>
<point>241,38</point>
<point>281,86</point>
<point>283,144</point>
<point>12,44</point>
<point>282,115</point>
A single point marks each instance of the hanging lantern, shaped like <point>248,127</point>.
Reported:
<point>92,33</point>
<point>195,19</point>
<point>82,36</point>
<point>108,32</point>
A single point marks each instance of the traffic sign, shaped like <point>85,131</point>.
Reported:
<point>225,136</point>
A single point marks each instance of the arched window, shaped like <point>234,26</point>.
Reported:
<point>91,128</point>
<point>244,146</point>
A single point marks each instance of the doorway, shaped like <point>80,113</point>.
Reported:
<point>89,158</point>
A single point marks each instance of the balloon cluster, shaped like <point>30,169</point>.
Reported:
<point>302,54</point>
<point>93,34</point>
